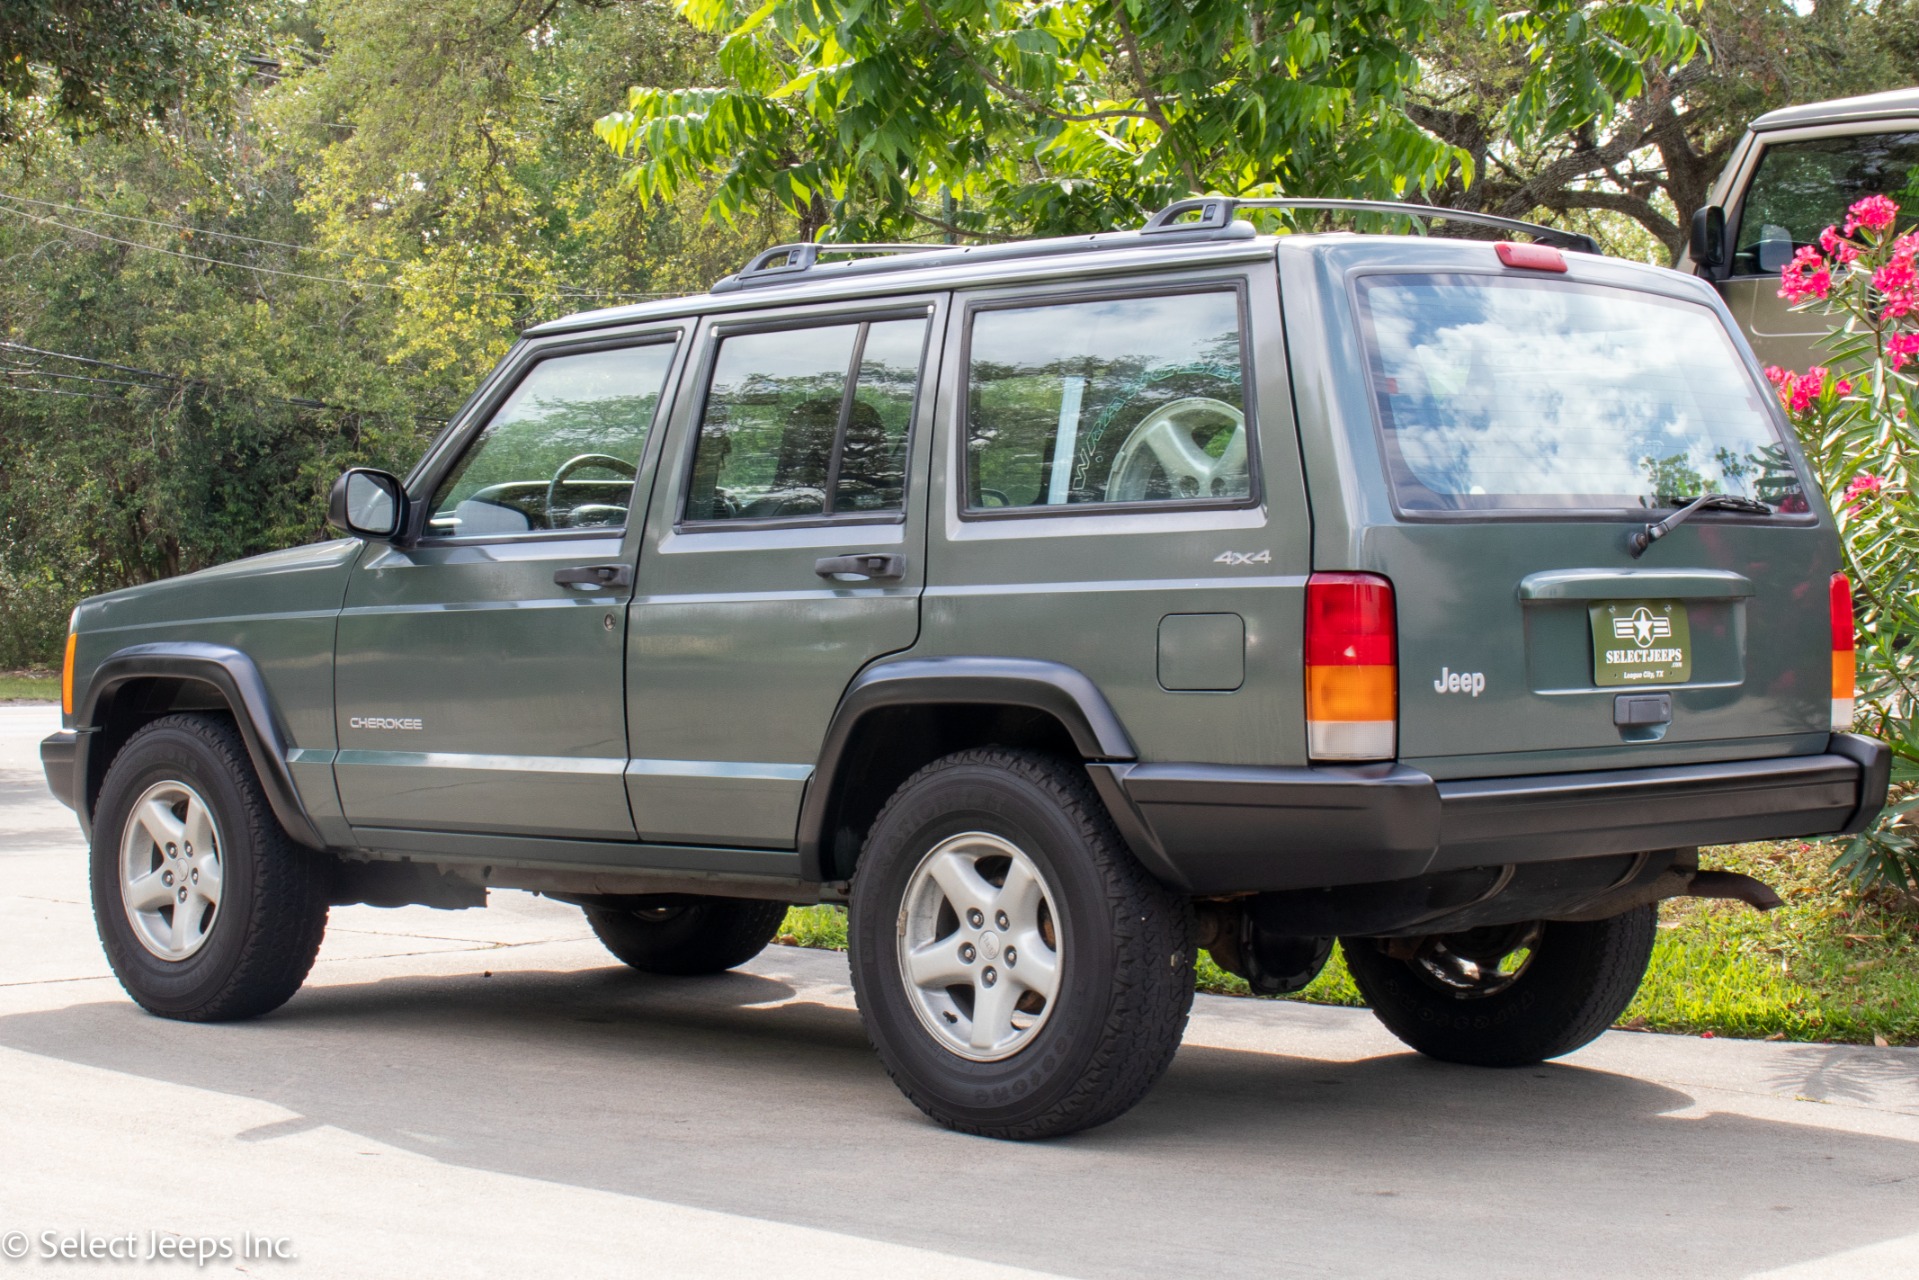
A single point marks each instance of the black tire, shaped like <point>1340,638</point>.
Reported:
<point>1126,948</point>
<point>683,935</point>
<point>261,941</point>
<point>1578,980</point>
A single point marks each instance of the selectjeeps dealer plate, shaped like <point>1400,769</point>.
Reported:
<point>1637,642</point>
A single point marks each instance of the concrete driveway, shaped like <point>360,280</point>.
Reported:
<point>485,1093</point>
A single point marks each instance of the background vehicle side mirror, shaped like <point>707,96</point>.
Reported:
<point>367,503</point>
<point>1709,239</point>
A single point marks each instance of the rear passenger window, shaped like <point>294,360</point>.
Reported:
<point>808,422</point>
<point>1118,401</point>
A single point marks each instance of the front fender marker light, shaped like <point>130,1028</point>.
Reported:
<point>1842,653</point>
<point>1352,667</point>
<point>66,677</point>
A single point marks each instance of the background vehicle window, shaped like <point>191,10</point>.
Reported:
<point>1801,188</point>
<point>780,433</point>
<point>1126,400</point>
<point>563,450</point>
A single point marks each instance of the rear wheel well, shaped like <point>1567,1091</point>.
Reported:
<point>891,744</point>
<point>136,703</point>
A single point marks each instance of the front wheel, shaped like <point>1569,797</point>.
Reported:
<point>1018,972</point>
<point>1505,995</point>
<point>207,910</point>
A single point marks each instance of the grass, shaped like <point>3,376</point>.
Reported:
<point>29,686</point>
<point>1831,965</point>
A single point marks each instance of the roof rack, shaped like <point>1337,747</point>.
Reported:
<point>1216,213</point>
<point>787,263</point>
<point>802,256</point>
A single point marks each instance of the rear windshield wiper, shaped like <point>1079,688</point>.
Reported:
<point>1658,529</point>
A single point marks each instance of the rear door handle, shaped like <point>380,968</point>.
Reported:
<point>876,565</point>
<point>587,576</point>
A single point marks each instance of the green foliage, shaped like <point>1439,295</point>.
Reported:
<point>84,66</point>
<point>1079,115</point>
<point>1859,420</point>
<point>211,317</point>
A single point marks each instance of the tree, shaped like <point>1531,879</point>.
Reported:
<point>1654,161</point>
<point>872,119</point>
<point>91,65</point>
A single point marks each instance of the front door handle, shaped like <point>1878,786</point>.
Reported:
<point>588,576</point>
<point>876,565</point>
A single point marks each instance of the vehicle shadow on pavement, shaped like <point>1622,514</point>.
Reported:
<point>729,1093</point>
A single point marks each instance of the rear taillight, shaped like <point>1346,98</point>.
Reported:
<point>1842,655</point>
<point>1352,667</point>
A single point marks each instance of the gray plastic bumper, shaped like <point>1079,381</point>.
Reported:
<point>1221,829</point>
<point>57,754</point>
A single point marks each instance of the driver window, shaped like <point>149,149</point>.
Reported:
<point>1122,400</point>
<point>561,453</point>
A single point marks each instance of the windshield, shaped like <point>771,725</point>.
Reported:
<point>1801,188</point>
<point>1505,394</point>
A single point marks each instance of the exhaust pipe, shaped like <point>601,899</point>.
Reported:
<point>1731,884</point>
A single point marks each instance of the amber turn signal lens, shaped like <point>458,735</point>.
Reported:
<point>66,677</point>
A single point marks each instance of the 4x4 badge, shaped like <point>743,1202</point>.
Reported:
<point>1244,557</point>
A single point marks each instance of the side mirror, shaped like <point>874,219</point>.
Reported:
<point>367,503</point>
<point>1709,239</point>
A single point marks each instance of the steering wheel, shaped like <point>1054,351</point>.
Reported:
<point>557,518</point>
<point>1166,442</point>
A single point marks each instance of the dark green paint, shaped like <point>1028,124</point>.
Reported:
<point>677,722</point>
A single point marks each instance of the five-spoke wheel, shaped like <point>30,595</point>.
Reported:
<point>170,870</point>
<point>1190,448</point>
<point>979,944</point>
<point>1019,972</point>
<point>206,908</point>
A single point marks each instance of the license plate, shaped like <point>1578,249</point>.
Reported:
<point>1640,642</point>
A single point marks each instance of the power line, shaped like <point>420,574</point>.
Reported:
<point>205,231</point>
<point>49,391</point>
<point>183,380</point>
<point>562,291</point>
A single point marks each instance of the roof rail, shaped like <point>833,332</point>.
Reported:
<point>803,256</point>
<point>1216,213</point>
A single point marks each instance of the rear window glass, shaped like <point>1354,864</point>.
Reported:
<point>1499,394</point>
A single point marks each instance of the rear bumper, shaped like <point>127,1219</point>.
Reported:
<point>57,754</point>
<point>1220,829</point>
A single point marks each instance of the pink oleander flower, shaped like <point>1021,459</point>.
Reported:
<point>1798,391</point>
<point>1842,250</point>
<point>1898,281</point>
<point>1864,485</point>
<point>1901,347</point>
<point>1808,275</point>
<point>1874,213</point>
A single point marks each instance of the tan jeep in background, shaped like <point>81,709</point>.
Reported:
<point>1793,175</point>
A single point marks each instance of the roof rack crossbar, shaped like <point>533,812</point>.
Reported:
<point>1216,213</point>
<point>802,256</point>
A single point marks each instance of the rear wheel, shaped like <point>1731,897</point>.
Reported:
<point>1018,972</point>
<point>1505,995</point>
<point>684,934</point>
<point>207,910</point>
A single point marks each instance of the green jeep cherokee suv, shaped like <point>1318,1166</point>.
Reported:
<point>1063,608</point>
